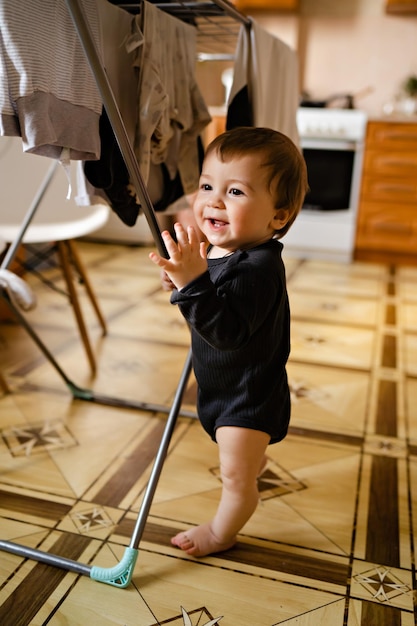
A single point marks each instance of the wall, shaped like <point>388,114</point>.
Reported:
<point>344,46</point>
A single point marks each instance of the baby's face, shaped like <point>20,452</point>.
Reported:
<point>234,206</point>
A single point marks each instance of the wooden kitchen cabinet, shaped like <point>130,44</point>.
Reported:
<point>215,128</point>
<point>267,5</point>
<point>387,216</point>
<point>401,6</point>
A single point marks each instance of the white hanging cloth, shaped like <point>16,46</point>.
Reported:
<point>268,69</point>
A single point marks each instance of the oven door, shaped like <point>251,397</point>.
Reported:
<point>330,168</point>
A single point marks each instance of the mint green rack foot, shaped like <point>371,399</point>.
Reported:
<point>121,574</point>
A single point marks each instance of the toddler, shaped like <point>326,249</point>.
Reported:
<point>232,292</point>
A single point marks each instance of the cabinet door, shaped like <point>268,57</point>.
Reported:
<point>401,6</point>
<point>387,227</point>
<point>390,163</point>
<point>391,136</point>
<point>387,215</point>
<point>270,5</point>
<point>389,189</point>
<point>215,128</point>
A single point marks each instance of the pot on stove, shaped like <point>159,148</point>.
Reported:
<point>338,100</point>
<point>346,101</point>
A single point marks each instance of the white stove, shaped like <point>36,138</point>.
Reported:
<point>331,124</point>
<point>332,142</point>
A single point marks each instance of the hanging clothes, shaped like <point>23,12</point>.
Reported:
<point>172,111</point>
<point>265,88</point>
<point>48,95</point>
<point>121,42</point>
<point>161,107</point>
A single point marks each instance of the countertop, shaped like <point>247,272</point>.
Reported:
<point>394,118</point>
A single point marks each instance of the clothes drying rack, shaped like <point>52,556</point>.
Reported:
<point>217,23</point>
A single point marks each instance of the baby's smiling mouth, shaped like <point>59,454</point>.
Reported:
<point>216,223</point>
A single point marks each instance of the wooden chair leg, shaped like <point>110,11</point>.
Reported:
<point>3,385</point>
<point>76,259</point>
<point>67,273</point>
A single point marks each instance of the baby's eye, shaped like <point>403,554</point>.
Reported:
<point>236,192</point>
<point>205,187</point>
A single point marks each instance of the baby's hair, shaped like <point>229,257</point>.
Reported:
<point>287,169</point>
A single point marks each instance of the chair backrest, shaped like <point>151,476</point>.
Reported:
<point>57,218</point>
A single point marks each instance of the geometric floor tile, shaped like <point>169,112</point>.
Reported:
<point>70,484</point>
<point>195,617</point>
<point>90,519</point>
<point>27,440</point>
<point>383,584</point>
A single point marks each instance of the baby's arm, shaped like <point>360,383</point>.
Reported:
<point>187,257</point>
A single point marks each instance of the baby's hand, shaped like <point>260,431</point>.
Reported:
<point>166,282</point>
<point>187,257</point>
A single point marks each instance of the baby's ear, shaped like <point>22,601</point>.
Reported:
<point>280,218</point>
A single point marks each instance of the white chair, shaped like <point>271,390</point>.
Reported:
<point>56,220</point>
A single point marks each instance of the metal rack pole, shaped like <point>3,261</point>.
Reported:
<point>12,250</point>
<point>115,118</point>
<point>121,574</point>
<point>233,12</point>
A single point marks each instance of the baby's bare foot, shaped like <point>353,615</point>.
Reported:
<point>201,541</point>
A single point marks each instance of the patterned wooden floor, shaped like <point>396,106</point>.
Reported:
<point>332,542</point>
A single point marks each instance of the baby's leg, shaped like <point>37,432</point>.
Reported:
<point>263,465</point>
<point>241,452</point>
